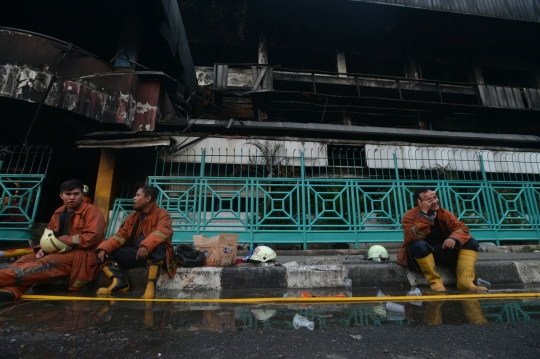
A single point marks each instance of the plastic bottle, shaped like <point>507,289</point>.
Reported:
<point>300,321</point>
<point>381,294</point>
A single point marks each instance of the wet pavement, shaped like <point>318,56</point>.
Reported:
<point>93,329</point>
<point>85,328</point>
<point>419,328</point>
<point>63,315</point>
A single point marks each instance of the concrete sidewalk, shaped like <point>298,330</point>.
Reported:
<point>512,265</point>
<point>333,271</point>
<point>309,270</point>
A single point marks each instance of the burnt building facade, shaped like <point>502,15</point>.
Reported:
<point>386,65</point>
<point>105,83</point>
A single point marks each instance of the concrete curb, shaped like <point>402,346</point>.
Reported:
<point>334,276</point>
<point>209,279</point>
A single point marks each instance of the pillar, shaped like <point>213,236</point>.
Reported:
<point>341,64</point>
<point>104,183</point>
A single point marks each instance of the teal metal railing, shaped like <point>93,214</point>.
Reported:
<point>21,173</point>
<point>341,195</point>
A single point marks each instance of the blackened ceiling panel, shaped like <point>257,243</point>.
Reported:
<point>527,10</point>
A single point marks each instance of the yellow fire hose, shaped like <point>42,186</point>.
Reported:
<point>15,252</point>
<point>289,300</point>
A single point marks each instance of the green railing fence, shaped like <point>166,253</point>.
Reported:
<point>341,194</point>
<point>22,170</point>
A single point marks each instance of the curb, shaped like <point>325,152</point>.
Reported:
<point>333,276</point>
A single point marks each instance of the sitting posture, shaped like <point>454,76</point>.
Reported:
<point>67,247</point>
<point>143,240</point>
<point>433,235</point>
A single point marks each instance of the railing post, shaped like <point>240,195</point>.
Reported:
<point>396,168</point>
<point>482,168</point>
<point>401,201</point>
<point>203,159</point>
<point>200,193</point>
<point>490,201</point>
<point>304,199</point>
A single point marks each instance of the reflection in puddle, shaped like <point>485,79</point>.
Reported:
<point>95,316</point>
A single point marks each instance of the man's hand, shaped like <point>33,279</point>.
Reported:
<point>40,254</point>
<point>449,243</point>
<point>101,255</point>
<point>425,206</point>
<point>142,253</point>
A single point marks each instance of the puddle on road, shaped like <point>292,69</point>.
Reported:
<point>107,316</point>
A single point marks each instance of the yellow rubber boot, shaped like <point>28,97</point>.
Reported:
<point>427,265</point>
<point>433,313</point>
<point>119,282</point>
<point>473,311</point>
<point>465,271</point>
<point>153,273</point>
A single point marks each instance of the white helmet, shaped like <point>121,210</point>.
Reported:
<point>377,253</point>
<point>85,189</point>
<point>50,244</point>
<point>262,254</point>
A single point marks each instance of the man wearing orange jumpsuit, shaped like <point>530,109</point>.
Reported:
<point>143,240</point>
<point>78,225</point>
<point>433,235</point>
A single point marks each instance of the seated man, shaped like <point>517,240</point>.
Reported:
<point>144,239</point>
<point>433,235</point>
<point>79,227</point>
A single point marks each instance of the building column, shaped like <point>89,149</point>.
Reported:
<point>412,65</point>
<point>341,64</point>
<point>477,70</point>
<point>263,50</point>
<point>346,118</point>
<point>104,183</point>
<point>262,59</point>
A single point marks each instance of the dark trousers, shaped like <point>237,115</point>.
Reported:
<point>125,256</point>
<point>448,257</point>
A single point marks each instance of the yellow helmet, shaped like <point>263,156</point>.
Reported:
<point>50,244</point>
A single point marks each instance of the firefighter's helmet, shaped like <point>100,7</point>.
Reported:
<point>50,244</point>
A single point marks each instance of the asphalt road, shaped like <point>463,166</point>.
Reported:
<point>114,330</point>
<point>445,341</point>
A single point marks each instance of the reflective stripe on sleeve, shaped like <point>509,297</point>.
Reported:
<point>119,239</point>
<point>158,233</point>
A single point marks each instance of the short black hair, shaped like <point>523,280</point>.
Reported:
<point>149,191</point>
<point>71,184</point>
<point>418,192</point>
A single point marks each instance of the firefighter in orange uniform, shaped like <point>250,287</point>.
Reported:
<point>67,247</point>
<point>143,240</point>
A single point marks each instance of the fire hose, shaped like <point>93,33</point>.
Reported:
<point>15,252</point>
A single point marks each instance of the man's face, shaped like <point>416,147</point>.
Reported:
<point>72,199</point>
<point>431,198</point>
<point>140,201</point>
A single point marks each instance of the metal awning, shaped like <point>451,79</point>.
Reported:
<point>367,130</point>
<point>125,143</point>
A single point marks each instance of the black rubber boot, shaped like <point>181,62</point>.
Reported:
<point>6,296</point>
<point>119,282</point>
